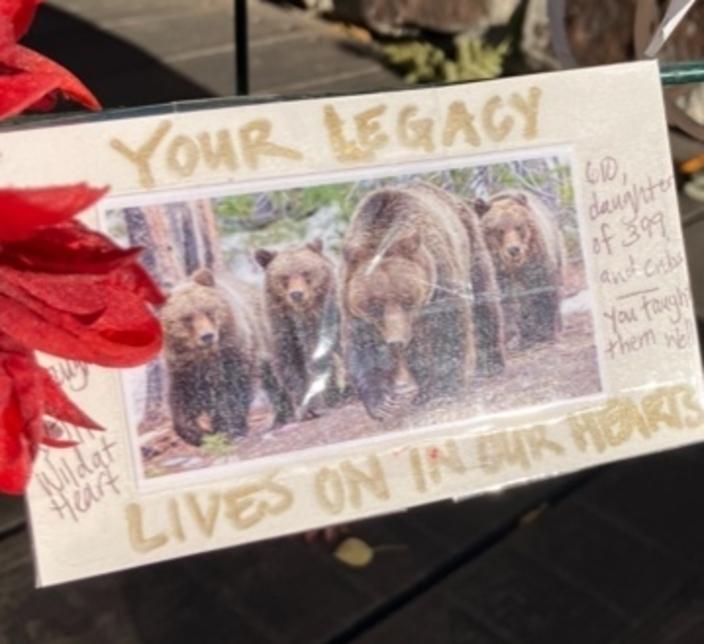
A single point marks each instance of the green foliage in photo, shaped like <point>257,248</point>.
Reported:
<point>217,445</point>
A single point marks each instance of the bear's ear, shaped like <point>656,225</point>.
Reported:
<point>204,277</point>
<point>263,257</point>
<point>481,207</point>
<point>520,197</point>
<point>350,254</point>
<point>315,245</point>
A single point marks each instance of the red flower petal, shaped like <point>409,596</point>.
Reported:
<point>58,405</point>
<point>67,248</point>
<point>83,296</point>
<point>50,441</point>
<point>22,91</point>
<point>19,13</point>
<point>45,103</point>
<point>15,458</point>
<point>24,211</point>
<point>27,395</point>
<point>21,368</point>
<point>69,291</point>
<point>124,334</point>
<point>7,32</point>
<point>71,248</point>
<point>21,59</point>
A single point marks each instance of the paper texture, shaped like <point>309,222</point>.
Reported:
<point>375,302</point>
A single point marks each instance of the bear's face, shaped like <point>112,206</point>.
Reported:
<point>506,223</point>
<point>390,295</point>
<point>194,316</point>
<point>297,278</point>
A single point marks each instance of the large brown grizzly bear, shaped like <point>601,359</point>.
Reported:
<point>215,346</point>
<point>301,302</point>
<point>528,251</point>
<point>420,307</point>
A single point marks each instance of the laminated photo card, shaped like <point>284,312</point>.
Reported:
<point>373,302</point>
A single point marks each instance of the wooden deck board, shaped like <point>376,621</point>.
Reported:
<point>529,603</point>
<point>679,621</point>
<point>657,499</point>
<point>618,560</point>
<point>160,39</point>
<point>105,11</point>
<point>158,52</point>
<point>238,591</point>
<point>289,50</point>
<point>12,514</point>
<point>625,571</point>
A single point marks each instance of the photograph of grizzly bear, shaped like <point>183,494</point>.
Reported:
<point>300,290</point>
<point>528,251</point>
<point>413,267</point>
<point>216,350</point>
<point>349,310</point>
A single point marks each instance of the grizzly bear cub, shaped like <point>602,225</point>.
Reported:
<point>216,350</point>
<point>420,308</point>
<point>301,302</point>
<point>528,251</point>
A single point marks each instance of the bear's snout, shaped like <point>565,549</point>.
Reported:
<point>207,339</point>
<point>513,256</point>
<point>396,328</point>
<point>296,296</point>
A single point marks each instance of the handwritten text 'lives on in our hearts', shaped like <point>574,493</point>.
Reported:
<point>347,487</point>
<point>627,212</point>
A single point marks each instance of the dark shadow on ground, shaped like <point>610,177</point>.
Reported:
<point>119,73</point>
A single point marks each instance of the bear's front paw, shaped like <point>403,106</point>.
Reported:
<point>237,433</point>
<point>189,435</point>
<point>311,408</point>
<point>494,365</point>
<point>395,403</point>
<point>306,413</point>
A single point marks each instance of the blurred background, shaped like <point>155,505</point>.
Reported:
<point>611,555</point>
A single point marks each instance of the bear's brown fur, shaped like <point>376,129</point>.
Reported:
<point>301,302</point>
<point>528,251</point>
<point>216,351</point>
<point>418,299</point>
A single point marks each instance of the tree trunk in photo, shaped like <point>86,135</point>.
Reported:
<point>209,235</point>
<point>148,228</point>
<point>139,235</point>
<point>191,260</point>
<point>169,265</point>
<point>155,408</point>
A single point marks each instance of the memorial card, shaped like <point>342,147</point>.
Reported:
<point>373,302</point>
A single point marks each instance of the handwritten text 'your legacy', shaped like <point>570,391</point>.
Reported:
<point>353,136</point>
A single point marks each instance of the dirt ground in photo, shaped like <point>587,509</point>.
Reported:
<point>544,374</point>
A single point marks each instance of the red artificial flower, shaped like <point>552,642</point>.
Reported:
<point>68,291</point>
<point>27,394</point>
<point>29,80</point>
<point>64,289</point>
<point>18,15</point>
